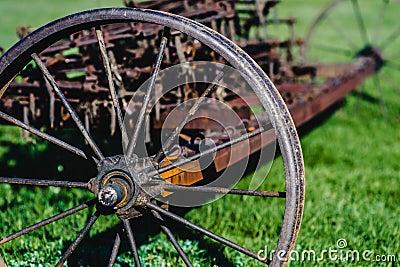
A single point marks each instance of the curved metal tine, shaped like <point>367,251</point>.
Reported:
<point>39,182</point>
<point>381,17</point>
<point>206,152</point>
<point>360,21</point>
<point>111,86</point>
<point>132,242</point>
<point>159,156</point>
<point>377,85</point>
<point>47,221</point>
<point>142,113</point>
<point>114,252</point>
<point>5,87</point>
<point>45,136</point>
<point>340,32</point>
<point>171,238</point>
<point>205,232</point>
<point>64,100</point>
<point>223,190</point>
<point>78,240</point>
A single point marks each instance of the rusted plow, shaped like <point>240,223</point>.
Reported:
<point>185,103</point>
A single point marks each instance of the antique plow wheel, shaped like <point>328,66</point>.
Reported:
<point>129,181</point>
<point>350,29</point>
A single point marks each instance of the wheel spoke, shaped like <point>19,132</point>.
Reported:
<point>389,80</point>
<point>64,100</point>
<point>341,33</point>
<point>46,222</point>
<point>132,242</point>
<point>381,17</point>
<point>205,232</point>
<point>161,153</point>
<point>43,135</point>
<point>223,190</point>
<point>114,252</point>
<point>78,240</point>
<point>206,152</point>
<point>37,182</point>
<point>360,21</point>
<point>360,95</point>
<point>333,49</point>
<point>390,39</point>
<point>171,238</point>
<point>113,92</point>
<point>142,113</point>
<point>377,85</point>
<point>392,65</point>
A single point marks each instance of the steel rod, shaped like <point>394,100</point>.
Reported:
<point>159,156</point>
<point>113,92</point>
<point>43,135</point>
<point>47,221</point>
<point>171,238</point>
<point>78,240</point>
<point>223,190</point>
<point>216,237</point>
<point>142,113</point>
<point>206,152</point>
<point>114,252</point>
<point>132,242</point>
<point>39,182</point>
<point>67,105</point>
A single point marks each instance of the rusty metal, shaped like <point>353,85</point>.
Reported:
<point>221,190</point>
<point>173,240</point>
<point>132,241</point>
<point>38,182</point>
<point>114,252</point>
<point>46,222</point>
<point>78,240</point>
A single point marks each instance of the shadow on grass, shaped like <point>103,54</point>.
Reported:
<point>96,251</point>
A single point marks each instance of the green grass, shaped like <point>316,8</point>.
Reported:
<point>352,169</point>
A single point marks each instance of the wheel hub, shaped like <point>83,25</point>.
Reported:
<point>121,187</point>
<point>375,53</point>
<point>115,189</point>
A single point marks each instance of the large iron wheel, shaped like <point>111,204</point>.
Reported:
<point>130,186</point>
<point>347,29</point>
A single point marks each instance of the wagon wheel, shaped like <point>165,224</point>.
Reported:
<point>347,29</point>
<point>127,185</point>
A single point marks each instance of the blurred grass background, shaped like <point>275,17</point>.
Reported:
<point>351,159</point>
